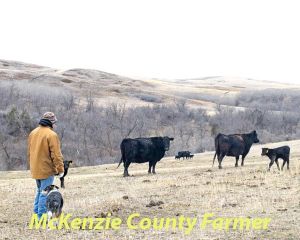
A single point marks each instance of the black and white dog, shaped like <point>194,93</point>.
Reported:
<point>54,201</point>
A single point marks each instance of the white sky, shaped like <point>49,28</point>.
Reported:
<point>257,39</point>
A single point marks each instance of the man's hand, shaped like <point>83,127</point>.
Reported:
<point>59,175</point>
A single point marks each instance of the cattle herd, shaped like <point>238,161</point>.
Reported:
<point>152,150</point>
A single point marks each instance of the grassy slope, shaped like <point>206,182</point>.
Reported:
<point>107,88</point>
<point>189,187</point>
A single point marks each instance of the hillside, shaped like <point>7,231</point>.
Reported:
<point>106,87</point>
<point>190,188</point>
<point>96,110</point>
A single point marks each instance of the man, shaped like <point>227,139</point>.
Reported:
<point>44,158</point>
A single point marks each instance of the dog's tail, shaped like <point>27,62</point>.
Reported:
<point>54,207</point>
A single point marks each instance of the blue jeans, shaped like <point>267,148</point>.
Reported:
<point>40,199</point>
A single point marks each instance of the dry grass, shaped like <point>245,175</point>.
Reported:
<point>189,187</point>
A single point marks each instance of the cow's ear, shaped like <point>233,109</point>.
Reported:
<point>70,161</point>
<point>254,131</point>
<point>266,149</point>
<point>56,186</point>
<point>171,139</point>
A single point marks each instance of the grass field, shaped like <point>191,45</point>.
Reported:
<point>180,187</point>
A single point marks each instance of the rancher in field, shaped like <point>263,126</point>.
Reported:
<point>44,158</point>
<point>234,145</point>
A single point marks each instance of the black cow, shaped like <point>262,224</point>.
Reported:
<point>234,145</point>
<point>183,154</point>
<point>66,168</point>
<point>276,153</point>
<point>141,150</point>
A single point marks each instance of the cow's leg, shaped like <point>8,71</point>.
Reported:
<point>153,169</point>
<point>271,163</point>
<point>237,160</point>
<point>126,165</point>
<point>243,158</point>
<point>276,161</point>
<point>288,163</point>
<point>62,182</point>
<point>284,161</point>
<point>150,165</point>
<point>220,159</point>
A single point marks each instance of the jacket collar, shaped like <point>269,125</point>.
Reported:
<point>46,123</point>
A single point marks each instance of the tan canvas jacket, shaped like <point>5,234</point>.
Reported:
<point>44,155</point>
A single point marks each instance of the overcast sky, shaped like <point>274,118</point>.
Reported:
<point>157,38</point>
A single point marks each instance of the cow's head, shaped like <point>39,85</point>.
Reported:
<point>264,151</point>
<point>166,141</point>
<point>67,164</point>
<point>254,137</point>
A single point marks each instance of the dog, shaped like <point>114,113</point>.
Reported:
<point>54,201</point>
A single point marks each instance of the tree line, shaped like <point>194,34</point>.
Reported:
<point>91,133</point>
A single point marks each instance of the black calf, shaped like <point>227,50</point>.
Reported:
<point>66,168</point>
<point>275,154</point>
